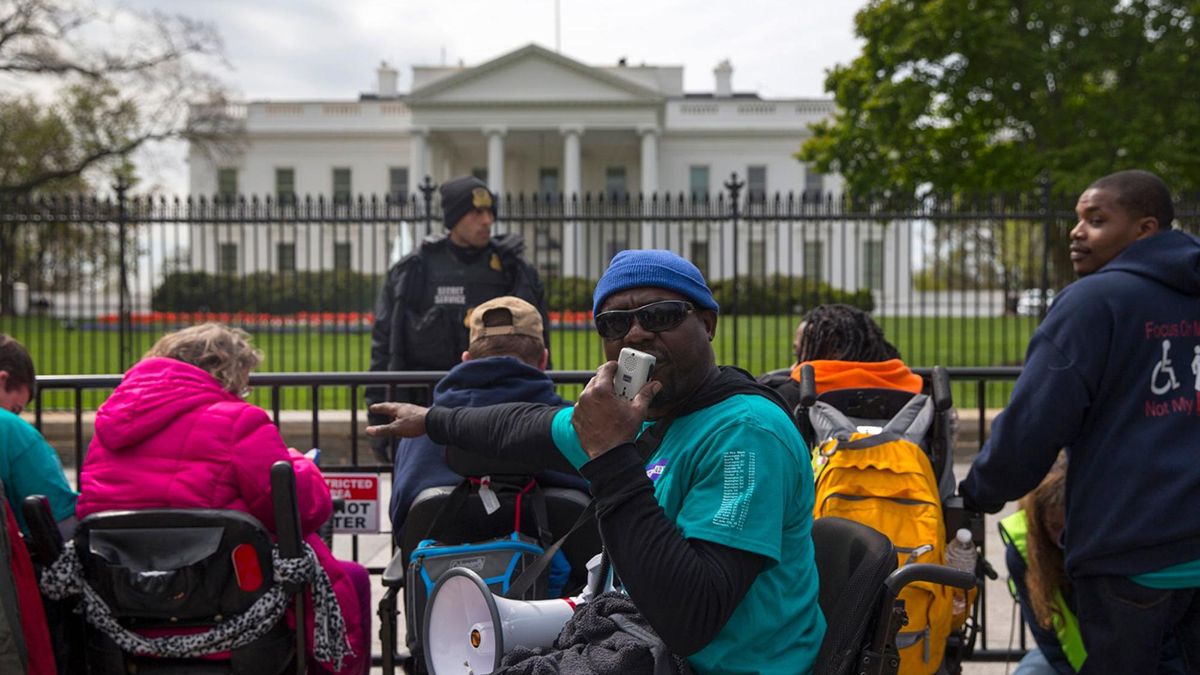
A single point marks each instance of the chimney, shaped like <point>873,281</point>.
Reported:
<point>724,73</point>
<point>387,80</point>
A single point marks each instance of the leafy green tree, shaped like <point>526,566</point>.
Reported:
<point>986,94</point>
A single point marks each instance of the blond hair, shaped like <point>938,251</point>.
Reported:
<point>221,351</point>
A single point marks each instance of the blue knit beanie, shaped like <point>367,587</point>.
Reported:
<point>656,269</point>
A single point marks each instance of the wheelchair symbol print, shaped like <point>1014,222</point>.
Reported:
<point>1163,370</point>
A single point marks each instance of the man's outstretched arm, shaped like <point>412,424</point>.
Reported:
<point>516,431</point>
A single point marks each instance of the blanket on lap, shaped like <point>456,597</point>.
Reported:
<point>606,636</point>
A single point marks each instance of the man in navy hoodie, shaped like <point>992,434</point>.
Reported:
<point>505,363</point>
<point>1113,375</point>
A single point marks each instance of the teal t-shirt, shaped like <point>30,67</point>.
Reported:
<point>736,473</point>
<point>28,466</point>
<point>1185,575</point>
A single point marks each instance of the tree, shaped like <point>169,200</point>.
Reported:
<point>109,101</point>
<point>79,110</point>
<point>985,94</point>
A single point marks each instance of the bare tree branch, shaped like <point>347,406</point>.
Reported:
<point>125,81</point>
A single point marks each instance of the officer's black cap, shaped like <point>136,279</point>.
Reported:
<point>461,195</point>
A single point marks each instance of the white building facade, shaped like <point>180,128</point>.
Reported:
<point>536,122</point>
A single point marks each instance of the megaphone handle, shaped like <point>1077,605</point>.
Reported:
<point>603,571</point>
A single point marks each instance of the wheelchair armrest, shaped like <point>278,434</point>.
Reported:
<point>959,517</point>
<point>393,576</point>
<point>935,574</point>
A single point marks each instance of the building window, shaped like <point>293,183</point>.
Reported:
<point>614,182</point>
<point>758,259</point>
<point>873,265</point>
<point>285,253</point>
<point>285,187</point>
<point>480,172</point>
<point>612,248</point>
<point>548,182</point>
<point>341,187</point>
<point>544,240</point>
<point>398,184</point>
<point>227,185</point>
<point>814,260</point>
<point>228,264</point>
<point>698,182</point>
<point>814,185</point>
<point>756,184</point>
<point>699,257</point>
<point>341,256</point>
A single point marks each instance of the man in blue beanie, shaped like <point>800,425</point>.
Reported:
<point>703,492</point>
<point>423,309</point>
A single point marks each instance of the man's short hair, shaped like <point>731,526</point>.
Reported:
<point>1141,193</point>
<point>507,326</point>
<point>15,359</point>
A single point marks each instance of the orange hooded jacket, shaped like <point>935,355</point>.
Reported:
<point>891,374</point>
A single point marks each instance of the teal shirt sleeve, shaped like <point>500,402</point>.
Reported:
<point>564,437</point>
<point>741,491</point>
<point>37,470</point>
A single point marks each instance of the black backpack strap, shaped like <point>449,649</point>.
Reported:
<point>535,570</point>
<point>449,511</point>
<point>541,518</point>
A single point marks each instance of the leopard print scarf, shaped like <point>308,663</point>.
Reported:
<point>331,645</point>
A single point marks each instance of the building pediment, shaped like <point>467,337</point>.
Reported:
<point>532,75</point>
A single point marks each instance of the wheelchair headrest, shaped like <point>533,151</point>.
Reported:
<point>189,566</point>
<point>867,403</point>
<point>466,463</point>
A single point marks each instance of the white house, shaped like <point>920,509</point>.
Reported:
<point>536,122</point>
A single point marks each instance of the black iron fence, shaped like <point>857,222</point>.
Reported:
<point>88,284</point>
<point>345,450</point>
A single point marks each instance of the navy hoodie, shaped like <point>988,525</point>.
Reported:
<point>1113,375</point>
<point>421,463</point>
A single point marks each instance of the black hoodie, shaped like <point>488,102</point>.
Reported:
<point>1113,375</point>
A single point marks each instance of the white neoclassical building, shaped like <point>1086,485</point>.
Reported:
<point>536,122</point>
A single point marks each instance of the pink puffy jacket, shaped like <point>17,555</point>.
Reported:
<point>171,437</point>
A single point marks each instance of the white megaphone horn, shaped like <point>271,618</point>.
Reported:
<point>468,629</point>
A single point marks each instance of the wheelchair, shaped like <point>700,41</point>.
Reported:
<point>183,569</point>
<point>454,514</point>
<point>871,409</point>
<point>860,584</point>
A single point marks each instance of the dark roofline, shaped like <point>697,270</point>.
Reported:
<point>736,94</point>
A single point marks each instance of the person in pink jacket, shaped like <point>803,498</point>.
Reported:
<point>176,433</point>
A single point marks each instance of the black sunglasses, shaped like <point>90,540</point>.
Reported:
<point>655,317</point>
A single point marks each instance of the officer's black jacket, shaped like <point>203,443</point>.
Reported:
<point>399,304</point>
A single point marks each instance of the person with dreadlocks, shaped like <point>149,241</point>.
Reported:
<point>847,350</point>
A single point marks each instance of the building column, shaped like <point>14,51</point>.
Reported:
<point>571,174</point>
<point>495,158</point>
<point>572,195</point>
<point>649,134</point>
<point>417,162</point>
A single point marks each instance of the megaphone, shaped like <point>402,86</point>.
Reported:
<point>468,629</point>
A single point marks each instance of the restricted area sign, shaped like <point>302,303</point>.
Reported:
<point>360,491</point>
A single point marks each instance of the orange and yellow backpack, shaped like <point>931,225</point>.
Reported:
<point>881,477</point>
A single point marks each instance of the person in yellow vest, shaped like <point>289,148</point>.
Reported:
<point>1038,581</point>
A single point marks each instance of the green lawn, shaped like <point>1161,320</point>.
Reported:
<point>763,343</point>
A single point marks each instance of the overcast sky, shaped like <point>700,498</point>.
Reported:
<point>306,49</point>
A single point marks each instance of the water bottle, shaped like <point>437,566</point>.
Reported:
<point>961,554</point>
